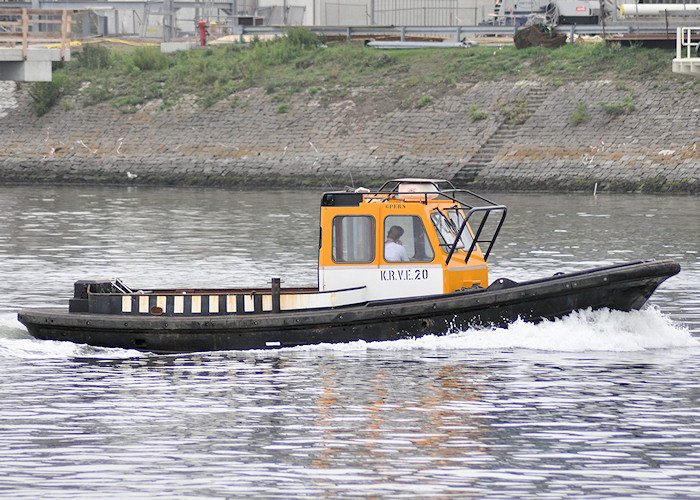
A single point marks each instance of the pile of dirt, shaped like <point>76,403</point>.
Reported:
<point>539,35</point>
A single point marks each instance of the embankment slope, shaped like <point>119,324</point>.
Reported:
<point>360,137</point>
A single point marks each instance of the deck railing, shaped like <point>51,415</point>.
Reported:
<point>33,26</point>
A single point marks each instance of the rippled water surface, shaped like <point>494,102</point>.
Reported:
<point>597,404</point>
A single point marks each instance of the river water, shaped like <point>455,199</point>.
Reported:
<point>598,404</point>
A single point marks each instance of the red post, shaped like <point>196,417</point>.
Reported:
<point>202,32</point>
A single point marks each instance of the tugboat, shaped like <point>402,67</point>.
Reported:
<point>407,260</point>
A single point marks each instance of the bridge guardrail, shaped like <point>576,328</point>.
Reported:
<point>458,31</point>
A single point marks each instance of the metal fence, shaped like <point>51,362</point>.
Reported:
<point>403,12</point>
<point>278,15</point>
<point>148,17</point>
<point>345,13</point>
<point>416,12</point>
<point>447,32</point>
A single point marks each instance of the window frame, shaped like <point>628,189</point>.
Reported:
<point>447,221</point>
<point>372,245</point>
<point>427,241</point>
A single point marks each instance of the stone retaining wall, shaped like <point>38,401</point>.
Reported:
<point>364,137</point>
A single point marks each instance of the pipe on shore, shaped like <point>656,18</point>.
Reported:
<point>649,9</point>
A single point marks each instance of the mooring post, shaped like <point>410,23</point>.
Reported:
<point>276,290</point>
<point>257,302</point>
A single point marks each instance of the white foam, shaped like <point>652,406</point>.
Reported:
<point>50,349</point>
<point>10,327</point>
<point>15,342</point>
<point>602,330</point>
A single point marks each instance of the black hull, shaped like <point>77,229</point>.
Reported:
<point>623,287</point>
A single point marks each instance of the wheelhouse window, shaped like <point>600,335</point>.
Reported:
<point>405,240</point>
<point>353,239</point>
<point>447,223</point>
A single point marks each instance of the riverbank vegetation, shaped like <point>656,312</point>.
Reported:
<point>302,62</point>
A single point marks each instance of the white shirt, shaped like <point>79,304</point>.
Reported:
<point>395,252</point>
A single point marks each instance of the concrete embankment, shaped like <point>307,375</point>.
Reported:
<point>360,136</point>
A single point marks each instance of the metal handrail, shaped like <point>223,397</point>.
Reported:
<point>402,31</point>
<point>490,240</point>
<point>391,188</point>
<point>684,40</point>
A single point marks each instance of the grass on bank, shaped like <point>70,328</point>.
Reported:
<point>300,62</point>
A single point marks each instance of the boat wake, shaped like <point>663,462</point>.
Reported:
<point>580,331</point>
<point>602,330</point>
<point>15,342</point>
